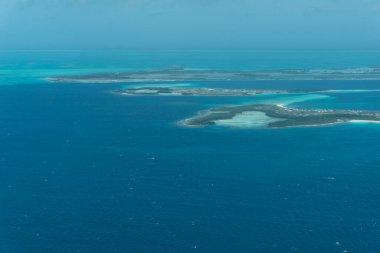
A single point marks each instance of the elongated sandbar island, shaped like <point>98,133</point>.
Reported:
<point>193,91</point>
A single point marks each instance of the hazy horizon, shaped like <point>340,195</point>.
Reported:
<point>189,25</point>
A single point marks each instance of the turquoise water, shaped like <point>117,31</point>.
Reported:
<point>85,170</point>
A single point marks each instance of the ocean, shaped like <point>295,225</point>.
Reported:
<point>85,170</point>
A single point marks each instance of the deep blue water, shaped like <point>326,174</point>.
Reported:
<point>85,170</point>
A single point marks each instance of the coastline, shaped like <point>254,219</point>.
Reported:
<point>189,75</point>
<point>276,116</point>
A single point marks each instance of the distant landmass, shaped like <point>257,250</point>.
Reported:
<point>180,74</point>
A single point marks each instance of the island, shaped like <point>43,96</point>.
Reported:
<point>276,116</point>
<point>263,115</point>
<point>189,75</point>
<point>193,91</point>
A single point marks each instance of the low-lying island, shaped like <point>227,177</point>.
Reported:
<point>201,91</point>
<point>189,75</point>
<point>276,116</point>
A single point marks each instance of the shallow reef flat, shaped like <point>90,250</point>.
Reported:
<point>276,116</point>
<point>186,75</point>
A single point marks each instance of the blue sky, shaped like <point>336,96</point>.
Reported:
<point>190,24</point>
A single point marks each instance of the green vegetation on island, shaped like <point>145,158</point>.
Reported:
<point>281,116</point>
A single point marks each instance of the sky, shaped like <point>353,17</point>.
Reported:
<point>190,24</point>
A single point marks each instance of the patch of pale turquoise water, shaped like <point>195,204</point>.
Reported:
<point>292,99</point>
<point>275,99</point>
<point>345,101</point>
<point>247,120</point>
